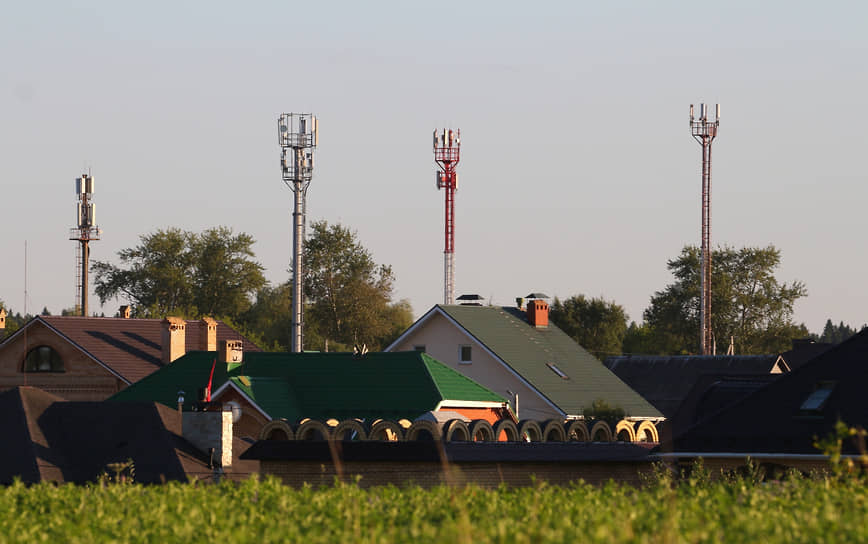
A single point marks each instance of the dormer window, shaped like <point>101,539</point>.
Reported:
<point>43,359</point>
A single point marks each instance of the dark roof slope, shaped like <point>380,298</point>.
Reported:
<point>528,349</point>
<point>777,419</point>
<point>75,441</point>
<point>318,385</point>
<point>666,380</point>
<point>129,347</point>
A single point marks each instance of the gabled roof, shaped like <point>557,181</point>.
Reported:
<point>777,419</point>
<point>666,380</point>
<point>319,385</point>
<point>129,348</point>
<point>49,439</point>
<point>527,351</point>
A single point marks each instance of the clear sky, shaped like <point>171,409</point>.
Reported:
<point>578,171</point>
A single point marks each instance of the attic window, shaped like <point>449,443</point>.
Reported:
<point>816,400</point>
<point>43,359</point>
<point>557,371</point>
<point>466,354</point>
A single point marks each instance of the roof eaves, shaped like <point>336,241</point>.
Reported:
<point>229,383</point>
<point>412,328</point>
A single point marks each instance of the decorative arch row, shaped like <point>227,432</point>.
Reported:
<point>457,430</point>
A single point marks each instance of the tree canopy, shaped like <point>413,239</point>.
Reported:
<point>179,272</point>
<point>349,295</point>
<point>596,324</point>
<point>747,303</point>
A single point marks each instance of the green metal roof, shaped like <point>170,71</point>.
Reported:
<point>527,350</point>
<point>318,385</point>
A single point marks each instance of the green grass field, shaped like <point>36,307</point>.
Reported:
<point>697,510</point>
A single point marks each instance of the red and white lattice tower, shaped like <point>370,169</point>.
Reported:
<point>447,147</point>
<point>704,131</point>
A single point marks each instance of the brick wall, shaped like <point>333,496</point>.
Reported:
<point>82,379</point>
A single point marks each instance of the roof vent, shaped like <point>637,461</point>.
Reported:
<point>470,300</point>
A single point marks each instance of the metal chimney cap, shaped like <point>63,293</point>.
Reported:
<point>537,295</point>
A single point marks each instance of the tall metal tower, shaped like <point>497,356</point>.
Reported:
<point>298,135</point>
<point>704,132</point>
<point>447,147</point>
<point>83,233</point>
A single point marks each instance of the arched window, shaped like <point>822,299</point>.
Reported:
<point>43,359</point>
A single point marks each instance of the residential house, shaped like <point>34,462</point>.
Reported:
<point>781,422</point>
<point>92,358</point>
<point>665,381</point>
<point>52,440</point>
<point>295,386</point>
<point>519,354</point>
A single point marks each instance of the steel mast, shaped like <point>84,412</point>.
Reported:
<point>83,234</point>
<point>298,135</point>
<point>447,147</point>
<point>704,132</point>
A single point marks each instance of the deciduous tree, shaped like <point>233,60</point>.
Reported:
<point>748,303</point>
<point>596,324</point>
<point>183,273</point>
<point>348,293</point>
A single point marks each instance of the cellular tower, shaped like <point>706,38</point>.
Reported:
<point>704,132</point>
<point>83,234</point>
<point>447,147</point>
<point>298,135</point>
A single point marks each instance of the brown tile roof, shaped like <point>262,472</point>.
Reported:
<point>49,439</point>
<point>130,348</point>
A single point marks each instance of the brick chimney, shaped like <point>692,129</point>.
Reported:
<point>207,334</point>
<point>538,313</point>
<point>173,337</point>
<point>231,351</point>
<point>125,312</point>
<point>211,430</point>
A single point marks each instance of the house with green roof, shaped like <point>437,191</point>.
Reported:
<point>517,353</point>
<point>294,386</point>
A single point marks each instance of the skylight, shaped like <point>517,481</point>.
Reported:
<point>817,399</point>
<point>557,371</point>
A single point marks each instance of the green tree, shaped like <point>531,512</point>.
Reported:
<point>224,272</point>
<point>348,294</point>
<point>747,303</point>
<point>268,322</point>
<point>175,272</point>
<point>14,321</point>
<point>596,324</point>
<point>835,334</point>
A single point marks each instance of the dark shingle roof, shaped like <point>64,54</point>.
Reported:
<point>666,380</point>
<point>319,385</point>
<point>528,349</point>
<point>131,348</point>
<point>772,419</point>
<point>75,441</point>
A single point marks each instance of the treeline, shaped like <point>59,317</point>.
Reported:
<point>214,273</point>
<point>750,308</point>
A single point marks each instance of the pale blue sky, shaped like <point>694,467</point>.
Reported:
<point>578,172</point>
